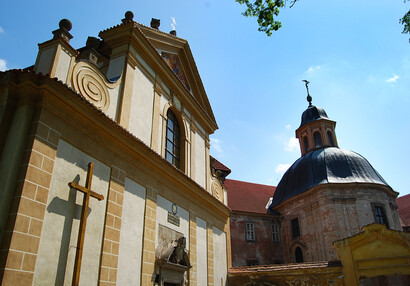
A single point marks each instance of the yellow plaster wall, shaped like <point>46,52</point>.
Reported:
<point>374,252</point>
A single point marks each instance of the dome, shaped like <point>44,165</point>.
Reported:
<point>329,165</point>
<point>313,113</point>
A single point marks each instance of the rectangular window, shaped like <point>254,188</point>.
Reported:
<point>250,231</point>
<point>295,227</point>
<point>275,233</point>
<point>380,215</point>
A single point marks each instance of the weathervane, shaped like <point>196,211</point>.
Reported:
<point>309,98</point>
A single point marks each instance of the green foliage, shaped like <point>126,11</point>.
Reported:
<point>405,21</point>
<point>265,11</point>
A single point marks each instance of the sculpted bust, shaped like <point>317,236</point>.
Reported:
<point>179,255</point>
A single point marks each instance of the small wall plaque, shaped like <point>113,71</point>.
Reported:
<point>173,219</point>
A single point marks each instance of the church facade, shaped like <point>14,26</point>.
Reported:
<point>109,144</point>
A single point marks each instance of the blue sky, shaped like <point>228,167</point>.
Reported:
<point>352,52</point>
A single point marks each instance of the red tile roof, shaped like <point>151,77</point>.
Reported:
<point>248,197</point>
<point>219,166</point>
<point>404,209</point>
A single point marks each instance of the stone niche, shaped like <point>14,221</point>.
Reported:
<point>171,258</point>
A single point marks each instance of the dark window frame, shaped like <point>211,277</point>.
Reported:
<point>295,228</point>
<point>275,232</point>
<point>317,138</point>
<point>173,140</point>
<point>330,138</point>
<point>250,233</point>
<point>306,143</point>
<point>379,212</point>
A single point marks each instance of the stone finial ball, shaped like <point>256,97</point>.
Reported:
<point>65,24</point>
<point>129,15</point>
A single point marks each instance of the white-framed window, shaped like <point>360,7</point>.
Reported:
<point>275,233</point>
<point>250,231</point>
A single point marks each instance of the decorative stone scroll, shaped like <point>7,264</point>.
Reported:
<point>91,83</point>
<point>216,191</point>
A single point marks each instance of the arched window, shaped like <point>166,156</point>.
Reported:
<point>173,140</point>
<point>330,138</point>
<point>318,139</point>
<point>298,255</point>
<point>306,144</point>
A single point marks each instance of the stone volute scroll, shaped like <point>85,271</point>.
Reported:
<point>91,83</point>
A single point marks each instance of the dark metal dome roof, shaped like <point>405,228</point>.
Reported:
<point>325,166</point>
<point>313,113</point>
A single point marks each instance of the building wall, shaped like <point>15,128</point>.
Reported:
<point>55,260</point>
<point>131,234</point>
<point>202,253</point>
<point>263,250</point>
<point>141,107</point>
<point>330,213</point>
<point>220,264</point>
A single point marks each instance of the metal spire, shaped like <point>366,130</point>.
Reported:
<point>309,98</point>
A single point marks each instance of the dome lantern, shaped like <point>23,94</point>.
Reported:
<point>316,130</point>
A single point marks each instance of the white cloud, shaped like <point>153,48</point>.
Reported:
<point>287,126</point>
<point>1,30</point>
<point>393,79</point>
<point>312,69</point>
<point>292,144</point>
<point>3,65</point>
<point>216,145</point>
<point>282,168</point>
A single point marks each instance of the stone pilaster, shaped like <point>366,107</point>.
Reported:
<point>192,163</point>
<point>210,240</point>
<point>126,94</point>
<point>20,243</point>
<point>156,117</point>
<point>193,249</point>
<point>112,228</point>
<point>208,166</point>
<point>148,254</point>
